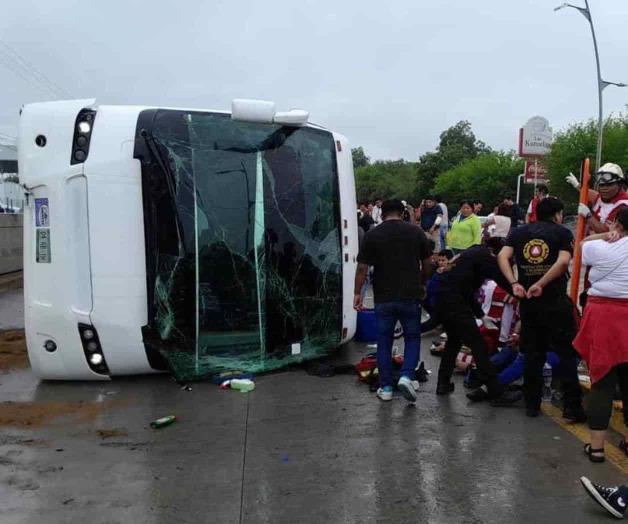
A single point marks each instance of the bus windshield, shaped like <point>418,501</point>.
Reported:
<point>243,242</point>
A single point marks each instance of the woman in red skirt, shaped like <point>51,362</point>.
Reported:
<point>603,337</point>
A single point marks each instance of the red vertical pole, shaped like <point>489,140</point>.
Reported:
<point>580,231</point>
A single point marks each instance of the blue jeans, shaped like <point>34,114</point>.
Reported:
<point>408,313</point>
<point>443,233</point>
<point>514,371</point>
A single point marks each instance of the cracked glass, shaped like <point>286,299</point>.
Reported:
<point>246,264</point>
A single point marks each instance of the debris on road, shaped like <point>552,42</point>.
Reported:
<point>244,385</point>
<point>163,422</point>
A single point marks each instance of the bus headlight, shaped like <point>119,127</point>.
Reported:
<point>82,135</point>
<point>84,127</point>
<point>92,349</point>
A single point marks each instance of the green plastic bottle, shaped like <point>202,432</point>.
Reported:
<point>163,422</point>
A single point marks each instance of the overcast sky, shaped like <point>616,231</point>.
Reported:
<point>390,76</point>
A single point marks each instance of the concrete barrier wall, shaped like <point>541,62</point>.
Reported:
<point>10,242</point>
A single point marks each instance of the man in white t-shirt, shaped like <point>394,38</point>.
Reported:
<point>377,211</point>
<point>609,264</point>
<point>444,223</point>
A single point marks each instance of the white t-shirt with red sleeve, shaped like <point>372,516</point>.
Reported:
<point>609,267</point>
<point>605,211</point>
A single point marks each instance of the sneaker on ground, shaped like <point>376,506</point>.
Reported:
<point>507,398</point>
<point>437,350</point>
<point>478,395</point>
<point>445,388</point>
<point>407,389</point>
<point>385,393</point>
<point>608,498</point>
<point>422,374</point>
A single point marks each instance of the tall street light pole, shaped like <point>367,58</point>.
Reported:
<point>601,84</point>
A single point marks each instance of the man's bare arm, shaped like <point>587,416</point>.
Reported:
<point>503,261</point>
<point>360,278</point>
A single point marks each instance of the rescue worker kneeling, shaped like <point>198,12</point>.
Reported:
<point>457,309</point>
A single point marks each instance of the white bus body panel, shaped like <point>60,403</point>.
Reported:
<point>116,236</point>
<point>55,300</point>
<point>97,271</point>
<point>349,233</point>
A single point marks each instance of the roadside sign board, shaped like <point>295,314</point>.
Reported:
<point>535,137</point>
<point>535,171</point>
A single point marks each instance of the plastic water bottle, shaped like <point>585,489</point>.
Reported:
<point>242,384</point>
<point>547,383</point>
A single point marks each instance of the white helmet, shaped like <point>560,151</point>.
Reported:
<point>609,173</point>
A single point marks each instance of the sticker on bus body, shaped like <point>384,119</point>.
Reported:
<point>43,246</point>
<point>42,212</point>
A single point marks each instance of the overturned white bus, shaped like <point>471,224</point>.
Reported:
<point>190,240</point>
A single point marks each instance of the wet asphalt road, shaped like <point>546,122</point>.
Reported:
<point>299,449</point>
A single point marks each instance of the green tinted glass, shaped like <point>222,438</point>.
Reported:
<point>248,265</point>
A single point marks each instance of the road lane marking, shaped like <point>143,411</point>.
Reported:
<point>613,454</point>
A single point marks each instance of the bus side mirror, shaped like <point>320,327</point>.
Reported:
<point>247,110</point>
<point>294,117</point>
<point>263,112</point>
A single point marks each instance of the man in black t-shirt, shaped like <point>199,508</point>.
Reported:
<point>399,254</point>
<point>542,251</point>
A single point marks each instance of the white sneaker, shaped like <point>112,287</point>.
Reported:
<point>407,389</point>
<point>385,394</point>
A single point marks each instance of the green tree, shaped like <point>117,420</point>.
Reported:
<point>387,179</point>
<point>359,157</point>
<point>457,144</point>
<point>579,141</point>
<point>487,177</point>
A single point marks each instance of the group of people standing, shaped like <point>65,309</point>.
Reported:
<point>531,263</point>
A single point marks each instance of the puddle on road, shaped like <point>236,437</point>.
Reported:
<point>13,350</point>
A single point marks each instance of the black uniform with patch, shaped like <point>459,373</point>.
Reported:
<point>549,322</point>
<point>536,248</point>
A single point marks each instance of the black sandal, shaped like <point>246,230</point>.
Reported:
<point>588,451</point>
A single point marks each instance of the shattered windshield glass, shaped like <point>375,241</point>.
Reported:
<point>245,264</point>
